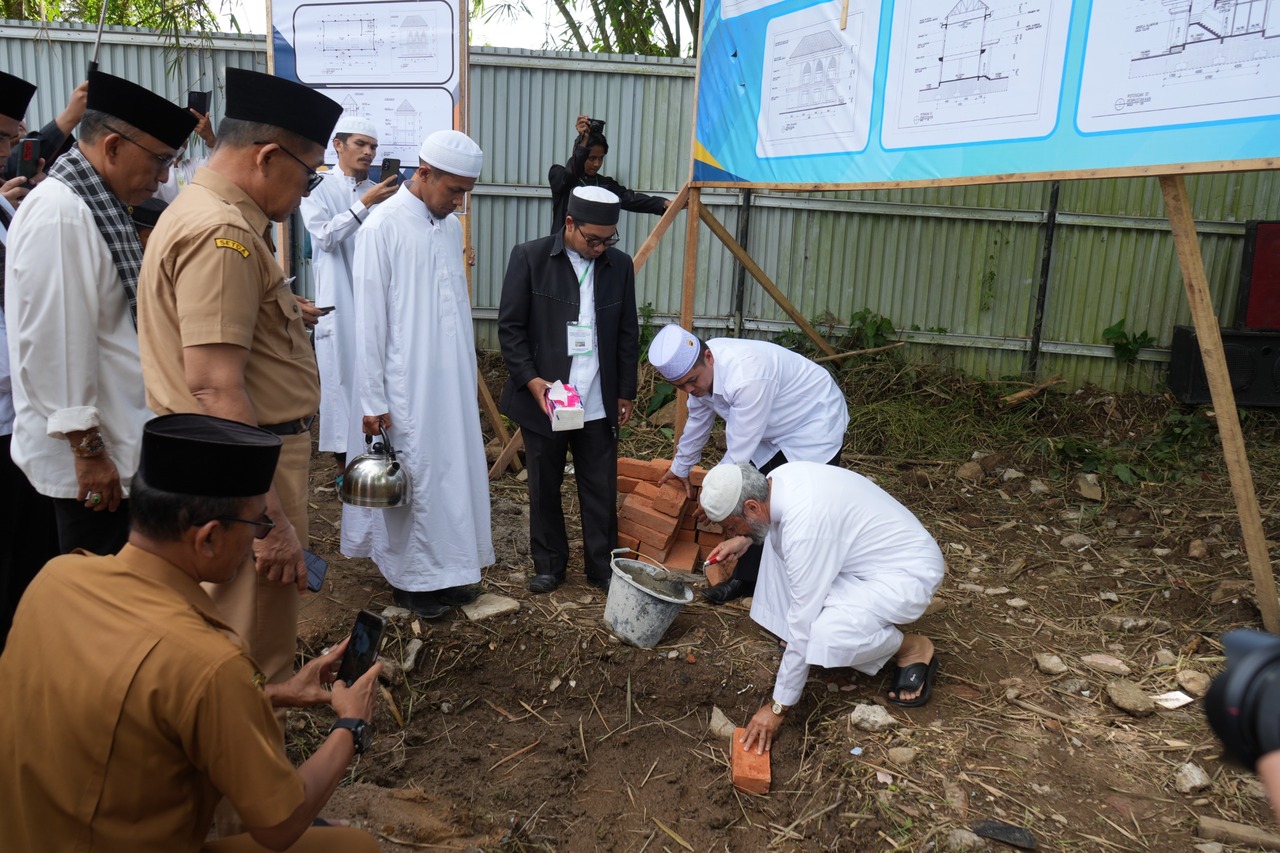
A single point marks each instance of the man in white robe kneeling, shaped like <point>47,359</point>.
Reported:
<point>844,565</point>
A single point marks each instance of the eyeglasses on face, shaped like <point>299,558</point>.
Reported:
<point>597,242</point>
<point>162,161</point>
<point>264,524</point>
<point>313,177</point>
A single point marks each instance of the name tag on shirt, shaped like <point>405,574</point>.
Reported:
<point>581,339</point>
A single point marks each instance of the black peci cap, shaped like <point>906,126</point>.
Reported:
<point>261,98</point>
<point>15,96</point>
<point>594,206</point>
<point>140,107</point>
<point>190,454</point>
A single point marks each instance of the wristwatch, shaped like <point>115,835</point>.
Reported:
<point>778,708</point>
<point>361,731</point>
<point>90,445</point>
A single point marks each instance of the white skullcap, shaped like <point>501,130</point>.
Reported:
<point>673,351</point>
<point>721,491</point>
<point>356,123</point>
<point>452,151</point>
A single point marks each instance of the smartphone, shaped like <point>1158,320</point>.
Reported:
<point>316,569</point>
<point>28,156</point>
<point>390,166</point>
<point>362,651</point>
<point>198,101</point>
<point>325,309</point>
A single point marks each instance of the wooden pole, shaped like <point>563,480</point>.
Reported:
<point>687,292</point>
<point>758,274</point>
<point>668,217</point>
<point>1178,208</point>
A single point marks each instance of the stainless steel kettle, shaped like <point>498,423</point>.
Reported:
<point>376,478</point>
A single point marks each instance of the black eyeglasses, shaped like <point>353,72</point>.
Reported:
<point>313,177</point>
<point>597,242</point>
<point>265,525</point>
<point>163,161</point>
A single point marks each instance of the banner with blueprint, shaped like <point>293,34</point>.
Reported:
<point>395,62</point>
<point>873,91</point>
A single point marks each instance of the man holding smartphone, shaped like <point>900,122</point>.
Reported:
<point>169,712</point>
<point>333,213</point>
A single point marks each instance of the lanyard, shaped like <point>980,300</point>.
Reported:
<point>585,270</point>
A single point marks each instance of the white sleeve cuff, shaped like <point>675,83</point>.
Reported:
<point>75,419</point>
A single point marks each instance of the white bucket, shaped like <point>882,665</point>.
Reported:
<point>641,604</point>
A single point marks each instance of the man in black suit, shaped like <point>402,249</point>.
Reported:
<point>571,292</point>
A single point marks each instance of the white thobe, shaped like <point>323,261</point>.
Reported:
<point>417,361</point>
<point>6,386</point>
<point>332,213</point>
<point>73,349</point>
<point>771,399</point>
<point>844,564</point>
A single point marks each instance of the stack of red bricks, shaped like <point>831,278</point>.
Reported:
<point>657,521</point>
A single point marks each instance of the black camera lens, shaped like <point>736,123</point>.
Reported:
<point>1243,704</point>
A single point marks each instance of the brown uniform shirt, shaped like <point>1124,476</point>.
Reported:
<point>126,708</point>
<point>209,277</point>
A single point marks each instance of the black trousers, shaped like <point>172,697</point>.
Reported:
<point>595,465</point>
<point>748,567</point>
<point>28,535</point>
<point>99,533</point>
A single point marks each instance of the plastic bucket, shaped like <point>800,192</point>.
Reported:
<point>641,605</point>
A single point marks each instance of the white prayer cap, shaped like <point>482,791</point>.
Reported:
<point>356,123</point>
<point>721,491</point>
<point>452,151</point>
<point>673,351</point>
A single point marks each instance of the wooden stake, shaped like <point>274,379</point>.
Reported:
<point>1027,393</point>
<point>507,456</point>
<point>759,275</point>
<point>1178,208</point>
<point>687,292</point>
<point>659,230</point>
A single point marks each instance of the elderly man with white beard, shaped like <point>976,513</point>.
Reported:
<point>844,565</point>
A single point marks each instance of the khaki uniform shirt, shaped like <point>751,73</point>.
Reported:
<point>128,710</point>
<point>209,277</point>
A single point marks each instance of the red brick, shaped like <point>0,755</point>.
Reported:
<point>697,474</point>
<point>717,572</point>
<point>683,556</point>
<point>687,523</point>
<point>712,539</point>
<point>646,490</point>
<point>709,526</point>
<point>627,485</point>
<point>636,469</point>
<point>671,499</point>
<point>751,773</point>
<point>628,541</point>
<point>683,535</point>
<point>659,554</point>
<point>638,510</point>
<point>644,534</point>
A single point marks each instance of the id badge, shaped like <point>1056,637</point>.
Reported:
<point>581,339</point>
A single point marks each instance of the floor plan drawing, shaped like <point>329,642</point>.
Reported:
<point>815,94</point>
<point>389,43</point>
<point>974,70</point>
<point>1157,63</point>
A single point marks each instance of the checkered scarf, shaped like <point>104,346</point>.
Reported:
<point>112,217</point>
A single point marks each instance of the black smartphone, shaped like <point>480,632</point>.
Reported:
<point>198,101</point>
<point>324,309</point>
<point>362,651</point>
<point>28,156</point>
<point>316,569</point>
<point>390,166</point>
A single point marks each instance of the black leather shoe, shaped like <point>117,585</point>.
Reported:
<point>600,583</point>
<point>540,584</point>
<point>725,592</point>
<point>456,596</point>
<point>424,604</point>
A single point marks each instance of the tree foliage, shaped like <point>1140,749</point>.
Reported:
<point>644,27</point>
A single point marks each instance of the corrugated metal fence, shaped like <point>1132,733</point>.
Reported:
<point>959,268</point>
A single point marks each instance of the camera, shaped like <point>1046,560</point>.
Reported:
<point>595,126</point>
<point>1243,704</point>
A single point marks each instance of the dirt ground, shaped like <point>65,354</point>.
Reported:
<point>539,731</point>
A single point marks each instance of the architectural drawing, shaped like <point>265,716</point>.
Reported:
<point>815,94</point>
<point>974,70</point>
<point>402,117</point>
<point>402,42</point>
<point>1156,63</point>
